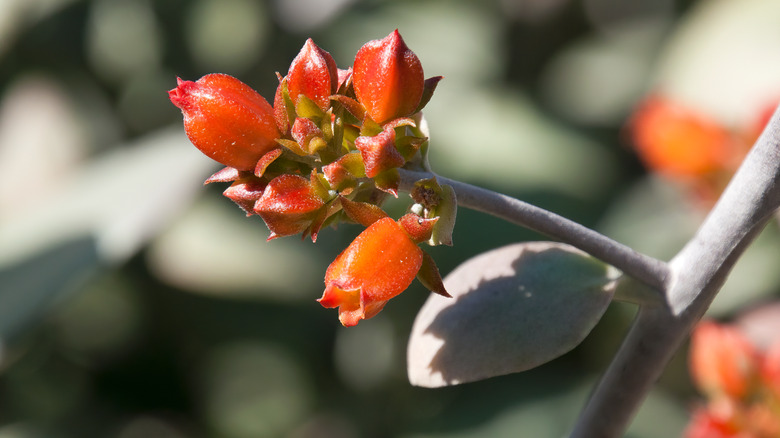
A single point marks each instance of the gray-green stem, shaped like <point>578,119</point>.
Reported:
<point>646,269</point>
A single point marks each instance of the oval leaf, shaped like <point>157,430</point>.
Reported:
<point>513,308</point>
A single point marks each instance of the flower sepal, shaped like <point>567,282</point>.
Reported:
<point>430,277</point>
<point>428,88</point>
<point>388,181</point>
<point>362,213</point>
<point>245,192</point>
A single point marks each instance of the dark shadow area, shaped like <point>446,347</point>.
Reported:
<point>31,286</point>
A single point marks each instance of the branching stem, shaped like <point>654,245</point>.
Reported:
<point>688,283</point>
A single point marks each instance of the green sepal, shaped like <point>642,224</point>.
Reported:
<point>388,181</point>
<point>293,147</point>
<point>289,106</point>
<point>446,211</point>
<point>428,88</point>
<point>307,108</point>
<point>430,277</point>
<point>317,144</point>
<point>320,185</point>
<point>370,128</point>
<point>350,134</point>
<point>408,145</point>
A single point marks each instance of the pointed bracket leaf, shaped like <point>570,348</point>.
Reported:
<point>514,308</point>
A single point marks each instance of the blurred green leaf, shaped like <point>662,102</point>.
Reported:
<point>254,390</point>
<point>653,217</point>
<point>98,218</point>
<point>723,59</point>
<point>513,308</point>
<point>553,414</point>
<point>215,249</point>
<point>31,287</point>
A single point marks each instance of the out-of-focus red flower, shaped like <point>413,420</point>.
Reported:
<point>289,205</point>
<point>722,360</point>
<point>226,119</point>
<point>770,369</point>
<point>739,381</point>
<point>677,141</point>
<point>388,78</point>
<point>378,265</point>
<point>760,121</point>
<point>710,423</point>
<point>379,152</point>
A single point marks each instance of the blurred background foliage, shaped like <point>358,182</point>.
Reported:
<point>136,303</point>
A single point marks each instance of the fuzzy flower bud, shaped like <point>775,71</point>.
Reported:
<point>378,265</point>
<point>226,119</point>
<point>313,73</point>
<point>289,205</point>
<point>388,78</point>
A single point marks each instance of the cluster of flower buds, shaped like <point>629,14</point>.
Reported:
<point>329,150</point>
<point>689,147</point>
<point>741,384</point>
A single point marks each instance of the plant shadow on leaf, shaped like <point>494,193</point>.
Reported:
<point>514,308</point>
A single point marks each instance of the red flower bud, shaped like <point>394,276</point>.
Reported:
<point>388,78</point>
<point>303,131</point>
<point>722,360</point>
<point>313,73</point>
<point>417,228</point>
<point>378,265</point>
<point>289,205</point>
<point>379,152</point>
<point>226,119</point>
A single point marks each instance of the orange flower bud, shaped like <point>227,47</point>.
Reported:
<point>722,360</point>
<point>378,265</point>
<point>379,152</point>
<point>226,119</point>
<point>289,205</point>
<point>388,78</point>
<point>676,141</point>
<point>313,73</point>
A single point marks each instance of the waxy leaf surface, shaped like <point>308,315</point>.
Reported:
<point>513,308</point>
